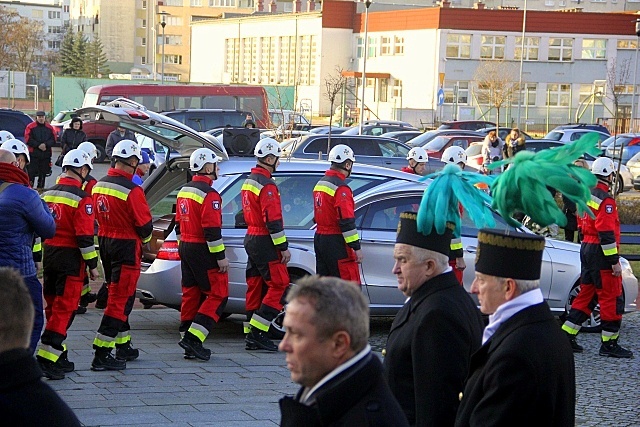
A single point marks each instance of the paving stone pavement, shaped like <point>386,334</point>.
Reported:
<point>241,388</point>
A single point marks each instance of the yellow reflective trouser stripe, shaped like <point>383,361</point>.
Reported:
<point>37,247</point>
<point>246,326</point>
<point>216,246</point>
<point>123,338</point>
<point>350,236</point>
<point>199,331</point>
<point>253,189</point>
<point>62,200</point>
<point>571,328</point>
<point>85,289</point>
<point>104,341</point>
<point>260,323</point>
<point>325,189</point>
<point>110,192</point>
<point>611,249</point>
<point>49,353</point>
<point>608,336</point>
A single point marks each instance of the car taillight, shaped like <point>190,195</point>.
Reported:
<point>169,251</point>
<point>135,114</point>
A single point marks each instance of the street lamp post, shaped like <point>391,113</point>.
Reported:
<point>163,24</point>
<point>367,3</point>
<point>635,74</point>
<point>524,24</point>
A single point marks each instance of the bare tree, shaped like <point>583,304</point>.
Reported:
<point>333,84</point>
<point>497,83</point>
<point>83,84</point>
<point>29,34</point>
<point>8,21</point>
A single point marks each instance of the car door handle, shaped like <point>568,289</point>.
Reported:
<point>471,249</point>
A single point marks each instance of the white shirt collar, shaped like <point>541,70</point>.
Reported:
<point>508,309</point>
<point>305,397</point>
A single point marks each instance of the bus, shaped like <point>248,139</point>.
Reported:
<point>160,98</point>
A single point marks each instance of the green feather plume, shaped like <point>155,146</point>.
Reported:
<point>523,186</point>
<point>450,188</point>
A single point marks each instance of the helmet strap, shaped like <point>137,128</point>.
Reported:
<point>128,164</point>
<point>271,167</point>
<point>75,172</point>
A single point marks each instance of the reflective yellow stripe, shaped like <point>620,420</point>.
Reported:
<point>216,249</point>
<point>248,187</point>
<point>353,238</point>
<point>62,200</point>
<point>104,343</point>
<point>190,195</point>
<point>49,353</point>
<point>146,239</point>
<point>455,245</point>
<point>608,336</point>
<point>610,249</point>
<point>37,247</point>
<point>570,328</point>
<point>325,189</point>
<point>122,338</point>
<point>246,326</point>
<point>199,331</point>
<point>279,240</point>
<point>260,323</point>
<point>85,290</point>
<point>110,192</point>
<point>593,204</point>
<point>89,255</point>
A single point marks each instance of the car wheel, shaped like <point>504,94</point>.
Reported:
<point>620,184</point>
<point>102,154</point>
<point>592,324</point>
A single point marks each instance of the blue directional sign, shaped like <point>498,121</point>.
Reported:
<point>440,96</point>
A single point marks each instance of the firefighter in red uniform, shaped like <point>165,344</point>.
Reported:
<point>601,272</point>
<point>457,156</point>
<point>205,281</point>
<point>336,241</point>
<point>66,257</point>
<point>418,159</point>
<point>124,224</point>
<point>87,296</point>
<point>266,246</point>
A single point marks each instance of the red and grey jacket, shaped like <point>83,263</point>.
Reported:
<point>199,215</point>
<point>604,230</point>
<point>121,208</point>
<point>72,210</point>
<point>333,208</point>
<point>262,208</point>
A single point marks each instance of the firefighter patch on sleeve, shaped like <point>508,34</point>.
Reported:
<point>608,209</point>
<point>88,208</point>
<point>216,205</point>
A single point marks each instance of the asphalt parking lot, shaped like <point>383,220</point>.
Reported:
<point>241,388</point>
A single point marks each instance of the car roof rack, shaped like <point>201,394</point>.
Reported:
<point>125,102</point>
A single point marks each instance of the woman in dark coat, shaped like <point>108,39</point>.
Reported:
<point>72,136</point>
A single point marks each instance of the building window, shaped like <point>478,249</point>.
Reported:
<point>594,90</point>
<point>173,2</point>
<point>267,61</point>
<point>287,60</point>
<point>52,29</point>
<point>558,95</point>
<point>143,60</point>
<point>385,46</point>
<point>549,3</point>
<point>173,20</point>
<point>360,47</point>
<point>398,45</point>
<point>594,49</point>
<point>383,89</point>
<point>173,59</point>
<point>143,42</point>
<point>144,4</point>
<point>456,91</point>
<point>529,93</point>
<point>458,46</point>
<point>531,48</point>
<point>222,3</point>
<point>53,14</point>
<point>627,44</point>
<point>173,40</point>
<point>307,60</point>
<point>36,13</point>
<point>371,82</point>
<point>397,88</point>
<point>372,47</point>
<point>492,47</point>
<point>232,56</point>
<point>144,23</point>
<point>623,89</point>
<point>196,3</point>
<point>53,44</point>
<point>560,49</point>
<point>65,8</point>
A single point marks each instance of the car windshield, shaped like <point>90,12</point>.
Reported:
<point>620,141</point>
<point>474,150</point>
<point>554,136</point>
<point>436,143</point>
<point>392,149</point>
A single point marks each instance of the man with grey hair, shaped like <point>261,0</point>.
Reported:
<point>327,324</point>
<point>24,399</point>
<point>524,371</point>
<point>435,333</point>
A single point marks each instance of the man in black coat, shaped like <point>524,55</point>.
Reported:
<point>39,137</point>
<point>24,399</point>
<point>327,323</point>
<point>524,372</point>
<point>435,333</point>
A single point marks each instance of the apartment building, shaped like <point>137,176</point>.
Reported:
<point>412,54</point>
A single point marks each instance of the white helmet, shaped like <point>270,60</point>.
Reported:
<point>127,148</point>
<point>454,155</point>
<point>418,154</point>
<point>201,157</point>
<point>76,158</point>
<point>89,148</point>
<point>5,135</point>
<point>267,146</point>
<point>341,153</point>
<point>603,166</point>
<point>16,147</point>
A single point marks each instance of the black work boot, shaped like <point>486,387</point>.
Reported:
<point>87,299</point>
<point>127,352</point>
<point>577,348</point>
<point>188,355</point>
<point>81,309</point>
<point>50,369</point>
<point>64,364</point>
<point>256,339</point>
<point>104,361</point>
<point>612,349</point>
<point>193,346</point>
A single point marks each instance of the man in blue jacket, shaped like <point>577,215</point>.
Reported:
<point>23,213</point>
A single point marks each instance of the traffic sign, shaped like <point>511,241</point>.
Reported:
<point>440,97</point>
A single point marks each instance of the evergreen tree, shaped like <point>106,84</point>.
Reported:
<point>96,59</point>
<point>66,60</point>
<point>78,57</point>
